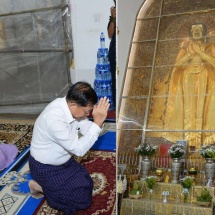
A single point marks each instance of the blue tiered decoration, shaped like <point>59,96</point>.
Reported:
<point>103,80</point>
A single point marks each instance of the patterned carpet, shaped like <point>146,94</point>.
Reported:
<point>15,196</point>
<point>18,133</point>
<point>14,192</point>
<point>102,168</point>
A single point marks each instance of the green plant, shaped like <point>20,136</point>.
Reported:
<point>150,182</point>
<point>136,189</point>
<point>205,196</point>
<point>187,182</point>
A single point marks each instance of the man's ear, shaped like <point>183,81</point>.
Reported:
<point>71,104</point>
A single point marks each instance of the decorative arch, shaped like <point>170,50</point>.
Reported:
<point>162,29</point>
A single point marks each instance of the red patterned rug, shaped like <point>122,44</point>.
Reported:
<point>102,167</point>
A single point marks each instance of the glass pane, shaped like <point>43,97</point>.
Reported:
<point>161,79</point>
<point>35,51</point>
<point>170,137</point>
<point>180,66</point>
<point>156,116</point>
<point>16,32</point>
<point>181,112</point>
<point>133,116</point>
<point>11,6</point>
<point>167,52</point>
<point>150,9</point>
<point>141,54</point>
<point>141,30</point>
<point>41,30</point>
<point>128,139</point>
<point>29,77</point>
<point>134,88</point>
<point>182,6</point>
<point>48,29</point>
<point>179,27</point>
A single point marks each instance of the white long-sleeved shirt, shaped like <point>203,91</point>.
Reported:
<point>55,134</point>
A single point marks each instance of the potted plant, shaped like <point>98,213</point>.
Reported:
<point>176,152</point>
<point>186,183</point>
<point>145,151</point>
<point>136,191</point>
<point>208,152</point>
<point>150,182</point>
<point>205,198</point>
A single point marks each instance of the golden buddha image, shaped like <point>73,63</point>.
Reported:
<point>191,97</point>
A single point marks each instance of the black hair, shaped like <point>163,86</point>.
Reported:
<point>82,94</point>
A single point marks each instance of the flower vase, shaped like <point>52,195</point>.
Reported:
<point>175,169</point>
<point>150,194</point>
<point>209,169</point>
<point>145,166</point>
<point>186,195</point>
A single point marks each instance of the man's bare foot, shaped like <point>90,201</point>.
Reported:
<point>35,189</point>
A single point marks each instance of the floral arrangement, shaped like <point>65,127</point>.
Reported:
<point>207,151</point>
<point>146,150</point>
<point>150,181</point>
<point>187,182</point>
<point>176,151</point>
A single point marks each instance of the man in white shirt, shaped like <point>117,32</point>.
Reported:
<point>65,183</point>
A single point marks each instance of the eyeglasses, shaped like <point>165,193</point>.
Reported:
<point>86,111</point>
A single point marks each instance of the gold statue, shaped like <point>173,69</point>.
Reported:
<point>159,173</point>
<point>166,180</point>
<point>191,100</point>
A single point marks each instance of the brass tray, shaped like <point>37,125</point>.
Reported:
<point>135,196</point>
